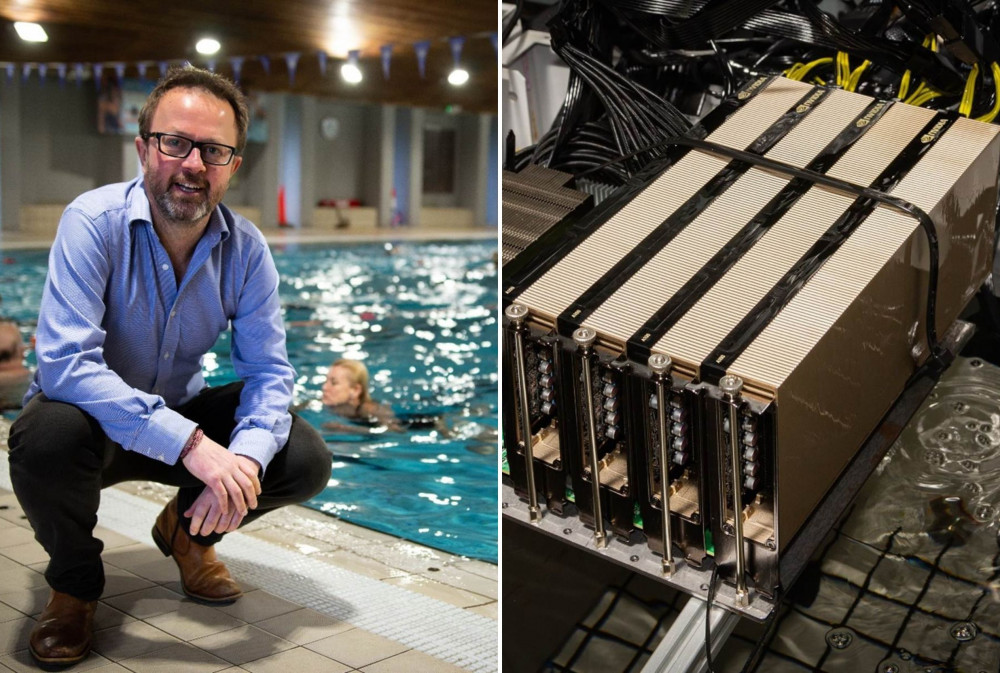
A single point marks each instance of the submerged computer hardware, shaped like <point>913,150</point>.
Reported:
<point>717,340</point>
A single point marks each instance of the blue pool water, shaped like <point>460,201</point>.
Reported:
<point>422,316</point>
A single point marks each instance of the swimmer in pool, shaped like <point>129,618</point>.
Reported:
<point>14,376</point>
<point>345,393</point>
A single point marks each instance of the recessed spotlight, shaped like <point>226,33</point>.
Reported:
<point>350,70</point>
<point>30,32</point>
<point>351,73</point>
<point>458,77</point>
<point>208,46</point>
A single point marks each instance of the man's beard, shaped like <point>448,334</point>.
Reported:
<point>183,211</point>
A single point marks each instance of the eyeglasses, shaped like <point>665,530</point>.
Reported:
<point>180,147</point>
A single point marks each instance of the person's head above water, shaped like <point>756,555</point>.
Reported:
<point>346,383</point>
<point>11,346</point>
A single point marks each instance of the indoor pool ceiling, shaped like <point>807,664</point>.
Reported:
<point>112,31</point>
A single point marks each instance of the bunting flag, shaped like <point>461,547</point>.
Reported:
<point>236,63</point>
<point>422,48</point>
<point>79,70</point>
<point>386,50</point>
<point>456,48</point>
<point>291,60</point>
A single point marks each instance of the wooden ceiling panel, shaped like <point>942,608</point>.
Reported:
<point>112,31</point>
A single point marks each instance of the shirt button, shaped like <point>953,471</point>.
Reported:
<point>164,266</point>
<point>166,356</point>
<point>173,313</point>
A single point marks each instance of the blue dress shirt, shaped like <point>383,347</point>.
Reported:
<point>118,338</point>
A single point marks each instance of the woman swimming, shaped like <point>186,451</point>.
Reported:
<point>345,393</point>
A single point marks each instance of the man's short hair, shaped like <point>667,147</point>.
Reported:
<point>190,77</point>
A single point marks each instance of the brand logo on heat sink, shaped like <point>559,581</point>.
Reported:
<point>932,134</point>
<point>805,105</point>
<point>866,120</point>
<point>756,84</point>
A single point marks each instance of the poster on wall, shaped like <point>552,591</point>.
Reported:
<point>120,100</point>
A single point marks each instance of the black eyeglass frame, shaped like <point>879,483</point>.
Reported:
<point>195,144</point>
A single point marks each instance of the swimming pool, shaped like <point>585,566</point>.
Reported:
<point>422,317</point>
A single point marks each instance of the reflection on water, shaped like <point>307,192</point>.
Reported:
<point>911,580</point>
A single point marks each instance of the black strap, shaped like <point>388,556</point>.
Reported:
<point>749,328</point>
<point>588,302</point>
<point>638,347</point>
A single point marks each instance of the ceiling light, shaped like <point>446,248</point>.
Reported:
<point>458,75</point>
<point>30,32</point>
<point>207,46</point>
<point>350,70</point>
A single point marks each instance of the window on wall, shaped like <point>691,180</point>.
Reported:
<point>439,160</point>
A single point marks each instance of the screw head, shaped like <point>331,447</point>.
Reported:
<point>584,336</point>
<point>516,313</point>
<point>633,558</point>
<point>660,363</point>
<point>730,384</point>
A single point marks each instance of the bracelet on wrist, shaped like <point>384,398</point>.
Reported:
<point>192,442</point>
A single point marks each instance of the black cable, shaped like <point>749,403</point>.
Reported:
<point>514,18</point>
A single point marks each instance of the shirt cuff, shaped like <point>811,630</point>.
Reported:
<point>256,443</point>
<point>163,436</point>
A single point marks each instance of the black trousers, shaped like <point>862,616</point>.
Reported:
<point>60,459</point>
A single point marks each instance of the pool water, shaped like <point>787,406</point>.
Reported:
<point>422,317</point>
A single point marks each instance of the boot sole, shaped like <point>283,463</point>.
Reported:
<point>165,549</point>
<point>57,663</point>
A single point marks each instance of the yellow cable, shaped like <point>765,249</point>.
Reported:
<point>992,114</point>
<point>855,78</point>
<point>804,69</point>
<point>965,106</point>
<point>904,85</point>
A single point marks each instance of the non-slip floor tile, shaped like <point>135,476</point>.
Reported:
<point>20,577</point>
<point>243,644</point>
<point>147,602</point>
<point>192,620</point>
<point>357,648</point>
<point>26,554</point>
<point>300,660</point>
<point>411,661</point>
<point>29,601</point>
<point>107,617</point>
<point>462,579</point>
<point>255,606</point>
<point>14,635</point>
<point>131,639</point>
<point>8,613</point>
<point>118,581</point>
<point>16,536</point>
<point>442,592</point>
<point>175,659</point>
<point>303,626</point>
<point>489,610</point>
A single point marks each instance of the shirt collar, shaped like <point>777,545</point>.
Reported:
<point>139,210</point>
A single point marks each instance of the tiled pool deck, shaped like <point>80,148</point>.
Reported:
<point>321,595</point>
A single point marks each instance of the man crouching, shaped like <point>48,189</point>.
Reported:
<point>143,277</point>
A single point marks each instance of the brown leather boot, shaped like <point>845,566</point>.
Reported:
<point>203,577</point>
<point>62,635</point>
